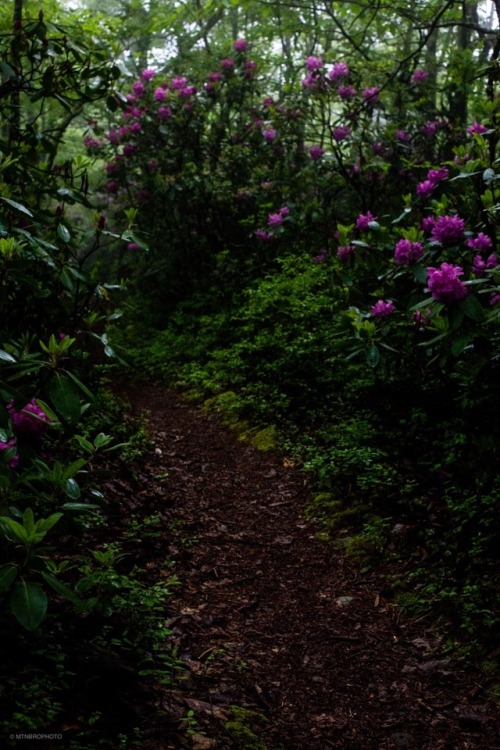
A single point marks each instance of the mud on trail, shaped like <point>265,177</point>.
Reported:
<point>275,622</point>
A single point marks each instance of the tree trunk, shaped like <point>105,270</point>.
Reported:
<point>15,62</point>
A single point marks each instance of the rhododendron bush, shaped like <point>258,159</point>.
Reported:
<point>394,206</point>
<point>401,213</point>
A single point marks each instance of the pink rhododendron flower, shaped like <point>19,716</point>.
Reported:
<point>316,152</point>
<point>346,92</point>
<point>382,308</point>
<point>187,91</point>
<point>403,136</point>
<point>338,71</point>
<point>430,128</point>
<point>5,446</point>
<point>444,283</point>
<point>344,252</point>
<point>341,133</point>
<point>159,94</point>
<point>164,112</point>
<point>179,82</point>
<point>114,137</point>
<point>133,246</point>
<point>215,77</point>
<point>310,82</point>
<point>138,88</point>
<point>479,266</point>
<point>425,188</point>
<point>31,420</point>
<point>448,230</point>
<point>371,94</point>
<point>437,175</point>
<point>419,76</point>
<point>364,220</point>
<point>147,74</point>
<point>261,234</point>
<point>481,242</point>
<point>477,128</point>
<point>407,252</point>
<point>227,63</point>
<point>90,142</point>
<point>314,63</point>
<point>112,186</point>
<point>240,45</point>
<point>135,127</point>
<point>495,299</point>
<point>422,318</point>
<point>275,220</point>
<point>250,68</point>
<point>427,225</point>
<point>269,135</point>
<point>321,256</point>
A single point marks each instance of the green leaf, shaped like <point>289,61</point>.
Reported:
<point>472,308</point>
<point>80,385</point>
<point>8,574</point>
<point>64,590</point>
<point>458,344</point>
<point>63,233</point>
<point>29,522</point>
<point>84,443</point>
<point>45,524</point>
<point>65,397</point>
<point>72,489</point>
<point>13,530</point>
<point>372,356</point>
<point>7,70</point>
<point>17,206</point>
<point>81,507</point>
<point>6,357</point>
<point>28,604</point>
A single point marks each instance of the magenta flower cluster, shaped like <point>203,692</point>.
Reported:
<point>276,219</point>
<point>448,230</point>
<point>364,220</point>
<point>407,252</point>
<point>479,265</point>
<point>30,421</point>
<point>382,308</point>
<point>338,72</point>
<point>477,129</point>
<point>444,283</point>
<point>341,133</point>
<point>316,153</point>
<point>434,177</point>
<point>7,445</point>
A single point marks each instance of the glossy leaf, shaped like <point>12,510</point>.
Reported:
<point>28,603</point>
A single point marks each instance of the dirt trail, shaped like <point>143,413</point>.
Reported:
<point>273,620</point>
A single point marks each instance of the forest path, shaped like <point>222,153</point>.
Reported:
<point>273,620</point>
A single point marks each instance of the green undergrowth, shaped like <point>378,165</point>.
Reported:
<point>244,729</point>
<point>401,462</point>
<point>89,668</point>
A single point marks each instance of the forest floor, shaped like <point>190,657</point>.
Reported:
<point>311,651</point>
